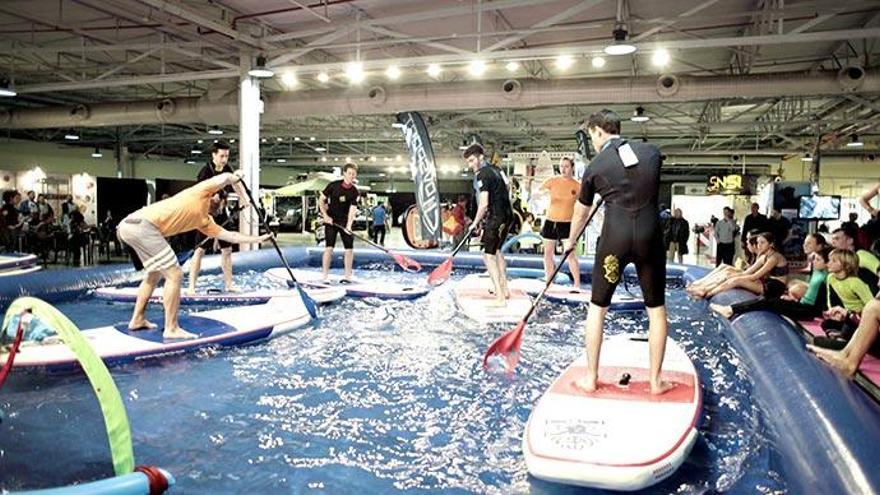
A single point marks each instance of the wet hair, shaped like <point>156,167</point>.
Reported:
<point>848,260</point>
<point>604,119</point>
<point>349,165</point>
<point>473,150</point>
<point>221,144</point>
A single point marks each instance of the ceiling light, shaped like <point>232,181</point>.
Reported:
<point>854,142</point>
<point>281,160</point>
<point>381,174</point>
<point>660,58</point>
<point>598,62</point>
<point>7,88</point>
<point>232,140</point>
<point>392,72</point>
<point>323,158</point>
<point>619,45</point>
<point>323,77</point>
<point>348,159</point>
<point>296,138</point>
<point>263,140</point>
<point>97,153</point>
<point>398,158</point>
<point>477,68</point>
<point>189,162</point>
<point>320,149</point>
<point>215,131</point>
<point>200,141</point>
<point>71,137</point>
<point>312,138</point>
<point>807,158</point>
<point>260,70</point>
<point>289,80</point>
<point>335,158</point>
<point>279,139</point>
<point>639,115</point>
<point>373,158</point>
<point>355,72</point>
<point>512,66</point>
<point>196,152</point>
<point>434,70</point>
<point>563,62</point>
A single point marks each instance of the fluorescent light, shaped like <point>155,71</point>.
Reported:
<point>323,78</point>
<point>190,162</point>
<point>260,70</point>
<point>97,153</point>
<point>196,152</point>
<point>355,72</point>
<point>598,62</point>
<point>512,66</point>
<point>660,58</point>
<point>854,142</point>
<point>281,160</point>
<point>215,131</point>
<point>564,62</point>
<point>320,149</point>
<point>434,70</point>
<point>392,72</point>
<point>289,80</point>
<point>639,115</point>
<point>477,68</point>
<point>619,45</point>
<point>71,137</point>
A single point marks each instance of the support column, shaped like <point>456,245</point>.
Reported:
<point>250,107</point>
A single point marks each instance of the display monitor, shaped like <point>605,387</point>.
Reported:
<point>819,207</point>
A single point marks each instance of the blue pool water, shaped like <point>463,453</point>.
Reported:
<point>376,397</point>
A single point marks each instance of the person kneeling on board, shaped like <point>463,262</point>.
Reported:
<point>144,234</point>
<point>627,176</point>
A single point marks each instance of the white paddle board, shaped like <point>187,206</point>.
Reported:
<point>568,294</point>
<point>619,437</point>
<point>259,296</point>
<point>11,272</point>
<point>117,344</point>
<point>9,261</point>
<point>355,287</point>
<point>473,297</point>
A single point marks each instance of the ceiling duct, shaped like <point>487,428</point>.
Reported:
<point>471,95</point>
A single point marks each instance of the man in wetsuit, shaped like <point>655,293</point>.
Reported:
<point>493,207</point>
<point>218,164</point>
<point>627,175</point>
<point>338,206</point>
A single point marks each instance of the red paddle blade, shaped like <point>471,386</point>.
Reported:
<point>441,273</point>
<point>506,349</point>
<point>407,263</point>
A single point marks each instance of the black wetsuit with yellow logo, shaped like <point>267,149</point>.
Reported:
<point>631,230</point>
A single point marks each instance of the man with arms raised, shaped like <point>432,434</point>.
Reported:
<point>627,175</point>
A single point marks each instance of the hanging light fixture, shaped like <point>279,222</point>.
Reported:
<point>215,131</point>
<point>854,142</point>
<point>7,88</point>
<point>619,44</point>
<point>97,153</point>
<point>639,115</point>
<point>260,70</point>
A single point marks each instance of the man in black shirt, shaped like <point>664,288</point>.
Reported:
<point>218,164</point>
<point>754,221</point>
<point>338,206</point>
<point>493,206</point>
<point>627,176</point>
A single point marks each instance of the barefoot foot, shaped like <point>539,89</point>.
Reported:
<point>725,311</point>
<point>178,333</point>
<point>661,388</point>
<point>141,325</point>
<point>585,384</point>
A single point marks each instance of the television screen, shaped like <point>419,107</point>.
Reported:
<point>819,207</point>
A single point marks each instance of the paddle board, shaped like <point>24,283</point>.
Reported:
<point>569,294</point>
<point>9,261</point>
<point>513,272</point>
<point>355,288</point>
<point>19,271</point>
<point>619,437</point>
<point>259,296</point>
<point>221,327</point>
<point>474,299</point>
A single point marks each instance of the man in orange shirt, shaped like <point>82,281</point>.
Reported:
<point>144,233</point>
<point>557,223</point>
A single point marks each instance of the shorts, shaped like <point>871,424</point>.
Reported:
<point>630,237</point>
<point>555,231</point>
<point>148,248</point>
<point>494,235</point>
<point>330,237</point>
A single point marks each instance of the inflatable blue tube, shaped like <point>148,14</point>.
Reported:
<point>135,483</point>
<point>513,240</point>
<point>826,428</point>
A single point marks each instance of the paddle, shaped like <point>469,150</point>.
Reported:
<point>405,262</point>
<point>508,345</point>
<point>442,272</point>
<point>13,350</point>
<point>184,256</point>
<point>307,301</point>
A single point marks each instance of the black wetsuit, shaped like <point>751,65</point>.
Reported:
<point>221,217</point>
<point>632,229</point>
<point>339,200</point>
<point>499,213</point>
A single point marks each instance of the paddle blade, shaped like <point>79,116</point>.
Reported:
<point>505,349</point>
<point>441,273</point>
<point>308,302</point>
<point>407,263</point>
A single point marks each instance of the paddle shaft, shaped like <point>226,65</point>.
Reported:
<point>265,224</point>
<point>565,256</point>
<point>368,241</point>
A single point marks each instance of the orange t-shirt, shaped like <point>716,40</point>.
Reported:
<point>563,194</point>
<point>185,211</point>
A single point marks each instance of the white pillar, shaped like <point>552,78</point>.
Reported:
<point>250,107</point>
